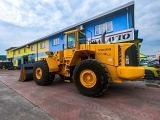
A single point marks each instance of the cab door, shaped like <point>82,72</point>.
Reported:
<point>70,43</point>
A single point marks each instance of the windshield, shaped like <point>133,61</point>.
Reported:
<point>144,62</point>
<point>154,63</point>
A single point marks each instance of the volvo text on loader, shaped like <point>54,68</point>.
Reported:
<point>92,66</point>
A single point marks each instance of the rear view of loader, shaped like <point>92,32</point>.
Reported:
<point>91,66</point>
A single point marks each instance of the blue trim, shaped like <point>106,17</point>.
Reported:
<point>16,58</point>
<point>42,54</point>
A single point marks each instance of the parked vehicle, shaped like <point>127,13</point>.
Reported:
<point>152,71</point>
<point>5,64</point>
<point>144,62</point>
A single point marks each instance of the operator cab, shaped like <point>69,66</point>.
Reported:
<point>74,38</point>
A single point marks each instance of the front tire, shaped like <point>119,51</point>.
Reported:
<point>91,78</point>
<point>41,73</point>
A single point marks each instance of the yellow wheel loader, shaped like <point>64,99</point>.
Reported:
<point>91,65</point>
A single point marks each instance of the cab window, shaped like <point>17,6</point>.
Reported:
<point>71,40</point>
<point>82,38</point>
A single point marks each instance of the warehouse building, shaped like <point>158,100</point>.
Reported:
<point>10,54</point>
<point>118,24</point>
<point>29,53</point>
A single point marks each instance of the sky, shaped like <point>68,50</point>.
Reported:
<point>23,21</point>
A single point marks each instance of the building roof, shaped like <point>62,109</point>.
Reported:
<point>112,12</point>
<point>10,48</point>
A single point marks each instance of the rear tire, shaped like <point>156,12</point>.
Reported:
<point>149,75</point>
<point>91,78</point>
<point>149,78</point>
<point>41,73</point>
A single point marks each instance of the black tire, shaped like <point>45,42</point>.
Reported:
<point>149,75</point>
<point>102,77</point>
<point>47,77</point>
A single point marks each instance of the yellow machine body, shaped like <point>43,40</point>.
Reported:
<point>113,56</point>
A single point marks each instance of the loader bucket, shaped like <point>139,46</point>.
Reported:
<point>26,72</point>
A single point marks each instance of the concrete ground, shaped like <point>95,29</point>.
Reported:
<point>14,107</point>
<point>62,101</point>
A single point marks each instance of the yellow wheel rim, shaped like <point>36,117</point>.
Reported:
<point>39,73</point>
<point>88,78</point>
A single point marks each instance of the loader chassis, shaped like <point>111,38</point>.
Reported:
<point>91,66</point>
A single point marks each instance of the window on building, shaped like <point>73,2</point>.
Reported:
<point>19,51</point>
<point>25,50</point>
<point>42,45</point>
<point>7,52</point>
<point>14,52</point>
<point>109,26</point>
<point>55,41</point>
<point>100,29</point>
<point>32,48</point>
<point>10,51</point>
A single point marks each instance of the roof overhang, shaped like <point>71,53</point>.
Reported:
<point>11,48</point>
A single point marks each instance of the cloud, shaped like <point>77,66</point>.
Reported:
<point>148,20</point>
<point>13,36</point>
<point>22,21</point>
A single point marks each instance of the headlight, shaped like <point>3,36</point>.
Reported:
<point>127,60</point>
